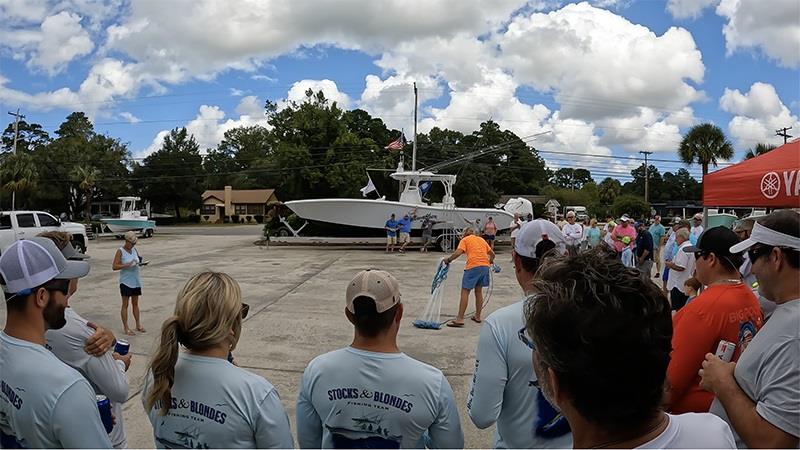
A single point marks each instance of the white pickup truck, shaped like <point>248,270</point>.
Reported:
<point>16,225</point>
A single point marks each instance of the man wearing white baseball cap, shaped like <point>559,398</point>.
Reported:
<point>44,402</point>
<point>697,225</point>
<point>371,395</point>
<point>759,396</point>
<point>502,391</point>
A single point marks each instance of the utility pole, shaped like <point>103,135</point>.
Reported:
<point>17,116</point>
<point>646,176</point>
<point>783,133</point>
<point>414,148</point>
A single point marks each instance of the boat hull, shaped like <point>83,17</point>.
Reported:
<point>123,225</point>
<point>374,213</point>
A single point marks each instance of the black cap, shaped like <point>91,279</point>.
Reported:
<point>717,240</point>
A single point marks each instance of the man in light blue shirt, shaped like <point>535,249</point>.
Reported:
<point>370,395</point>
<point>391,233</point>
<point>404,227</point>
<point>44,403</point>
<point>657,231</point>
<point>502,388</point>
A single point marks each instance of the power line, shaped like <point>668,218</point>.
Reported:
<point>782,132</point>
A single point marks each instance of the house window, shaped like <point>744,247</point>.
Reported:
<point>240,209</point>
<point>255,208</point>
<point>209,210</point>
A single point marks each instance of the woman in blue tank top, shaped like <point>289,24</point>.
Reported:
<point>127,261</point>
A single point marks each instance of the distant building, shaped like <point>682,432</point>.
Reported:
<point>248,205</point>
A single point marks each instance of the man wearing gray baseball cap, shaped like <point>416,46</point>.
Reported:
<point>759,396</point>
<point>34,383</point>
<point>370,395</point>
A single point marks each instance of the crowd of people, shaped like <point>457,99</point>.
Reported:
<point>593,354</point>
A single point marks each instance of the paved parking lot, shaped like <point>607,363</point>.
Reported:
<point>297,308</point>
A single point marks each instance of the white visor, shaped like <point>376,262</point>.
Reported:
<point>767,236</point>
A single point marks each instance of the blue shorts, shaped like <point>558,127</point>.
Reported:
<point>477,276</point>
<point>665,275</point>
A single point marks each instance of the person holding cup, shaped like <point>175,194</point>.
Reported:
<point>127,261</point>
<point>107,372</point>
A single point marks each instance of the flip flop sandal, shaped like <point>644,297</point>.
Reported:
<point>454,324</point>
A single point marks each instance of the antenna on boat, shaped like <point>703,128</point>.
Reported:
<point>414,148</point>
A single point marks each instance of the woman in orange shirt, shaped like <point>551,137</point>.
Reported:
<point>480,257</point>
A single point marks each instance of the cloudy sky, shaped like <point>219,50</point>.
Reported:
<point>605,77</point>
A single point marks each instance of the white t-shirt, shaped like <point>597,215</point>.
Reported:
<point>693,430</point>
<point>501,389</point>
<point>105,374</point>
<point>696,231</point>
<point>216,404</point>
<point>685,260</point>
<point>45,403</point>
<point>573,232</point>
<point>351,398</point>
<point>515,227</point>
<point>769,371</point>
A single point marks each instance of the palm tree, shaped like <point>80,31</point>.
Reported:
<point>609,189</point>
<point>760,149</point>
<point>18,173</point>
<point>704,144</point>
<point>86,177</point>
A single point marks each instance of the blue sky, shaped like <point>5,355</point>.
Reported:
<point>605,78</point>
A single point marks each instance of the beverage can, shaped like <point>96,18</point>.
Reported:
<point>104,406</point>
<point>725,350</point>
<point>122,347</point>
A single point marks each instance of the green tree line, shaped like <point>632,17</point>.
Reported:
<point>310,149</point>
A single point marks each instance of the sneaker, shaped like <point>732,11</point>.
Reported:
<point>657,275</point>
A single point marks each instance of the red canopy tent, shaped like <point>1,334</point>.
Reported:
<point>770,180</point>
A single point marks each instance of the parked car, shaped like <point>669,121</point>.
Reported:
<point>16,225</point>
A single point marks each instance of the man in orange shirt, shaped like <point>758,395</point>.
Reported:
<point>476,273</point>
<point>726,310</point>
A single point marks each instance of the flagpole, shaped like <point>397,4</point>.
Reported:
<point>414,148</point>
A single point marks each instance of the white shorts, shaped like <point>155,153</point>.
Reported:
<point>405,238</point>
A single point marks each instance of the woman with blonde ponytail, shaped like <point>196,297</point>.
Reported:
<point>193,396</point>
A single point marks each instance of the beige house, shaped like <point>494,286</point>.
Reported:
<point>246,204</point>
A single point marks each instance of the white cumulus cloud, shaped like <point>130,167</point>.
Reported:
<point>598,64</point>
<point>688,9</point>
<point>772,27</point>
<point>757,114</point>
<point>59,39</point>
<point>129,117</point>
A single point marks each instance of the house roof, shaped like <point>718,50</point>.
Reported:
<point>259,196</point>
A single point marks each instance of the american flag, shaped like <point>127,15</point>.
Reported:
<point>396,144</point>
